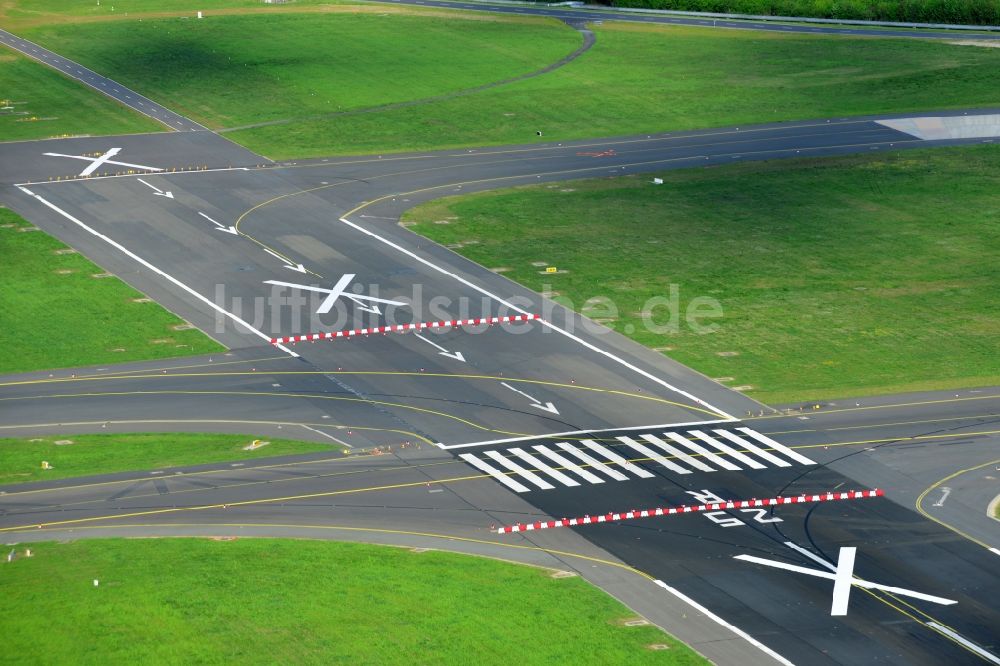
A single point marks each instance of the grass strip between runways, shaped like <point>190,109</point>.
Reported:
<point>265,601</point>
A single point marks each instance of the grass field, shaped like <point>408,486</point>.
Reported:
<point>87,320</point>
<point>83,455</point>
<point>838,277</point>
<point>266,601</point>
<point>636,79</point>
<point>652,78</point>
<point>45,104</point>
<point>299,64</point>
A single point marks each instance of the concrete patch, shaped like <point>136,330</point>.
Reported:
<point>936,128</point>
<point>977,42</point>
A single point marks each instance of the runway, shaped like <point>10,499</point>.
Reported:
<point>462,428</point>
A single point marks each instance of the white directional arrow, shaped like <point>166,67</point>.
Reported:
<point>221,227</point>
<point>158,192</point>
<point>535,402</point>
<point>298,268</point>
<point>444,352</point>
<point>373,308</point>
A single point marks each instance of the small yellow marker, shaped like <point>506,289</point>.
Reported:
<point>551,269</point>
<point>46,465</point>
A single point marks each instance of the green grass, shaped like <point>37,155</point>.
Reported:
<point>267,601</point>
<point>302,64</point>
<point>652,78</point>
<point>84,455</point>
<point>47,104</point>
<point>838,277</point>
<point>50,291</point>
<point>636,79</point>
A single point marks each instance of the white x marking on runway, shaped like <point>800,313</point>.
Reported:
<point>97,162</point>
<point>334,294</point>
<point>842,576</point>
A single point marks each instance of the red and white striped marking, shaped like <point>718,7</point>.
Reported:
<point>669,511</point>
<point>404,328</point>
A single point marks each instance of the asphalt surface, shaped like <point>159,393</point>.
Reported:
<point>484,426</point>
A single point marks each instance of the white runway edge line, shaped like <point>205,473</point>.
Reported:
<point>674,510</point>
<point>718,620</point>
<point>543,322</point>
<point>404,328</point>
<point>118,246</point>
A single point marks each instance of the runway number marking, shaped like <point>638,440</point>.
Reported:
<point>97,162</point>
<point>722,518</point>
<point>842,575</point>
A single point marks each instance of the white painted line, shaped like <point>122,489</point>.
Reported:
<point>857,581</point>
<point>777,446</point>
<point>328,435</point>
<point>594,463</point>
<point>653,455</point>
<point>541,466</point>
<point>568,464</point>
<point>614,457</point>
<point>988,656</point>
<point>995,551</point>
<point>677,453</point>
<point>718,620</point>
<point>739,441</point>
<point>494,472</point>
<point>702,451</point>
<point>555,328</point>
<point>517,469</point>
<point>169,278</point>
<point>554,435</point>
<point>842,580</point>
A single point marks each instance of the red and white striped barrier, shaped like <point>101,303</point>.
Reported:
<point>403,328</point>
<point>669,511</point>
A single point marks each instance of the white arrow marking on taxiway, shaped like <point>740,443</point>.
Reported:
<point>535,402</point>
<point>298,268</point>
<point>220,227</point>
<point>158,192</point>
<point>945,491</point>
<point>444,352</point>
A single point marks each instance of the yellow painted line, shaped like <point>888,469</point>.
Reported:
<point>925,514</point>
<point>382,530</point>
<point>268,394</point>
<point>227,505</point>
<point>823,412</point>
<point>883,425</point>
<point>385,373</point>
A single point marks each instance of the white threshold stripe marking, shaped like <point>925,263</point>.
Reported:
<point>552,326</point>
<point>494,472</point>
<point>614,457</point>
<point>842,580</point>
<point>541,466</point>
<point>677,453</point>
<point>517,469</point>
<point>170,278</point>
<point>702,451</point>
<point>525,438</point>
<point>777,446</point>
<point>593,462</point>
<point>728,450</point>
<point>568,464</point>
<point>718,620</point>
<point>995,551</point>
<point>739,441</point>
<point>988,656</point>
<point>653,455</point>
<point>856,581</point>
